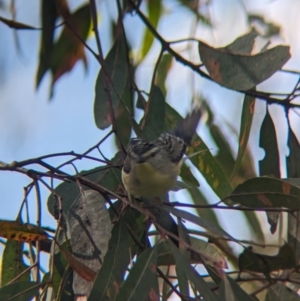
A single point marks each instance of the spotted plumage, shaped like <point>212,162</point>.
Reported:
<point>151,168</point>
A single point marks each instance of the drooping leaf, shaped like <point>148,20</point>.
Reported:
<point>15,24</point>
<point>110,83</point>
<point>162,217</point>
<point>227,162</point>
<point>125,115</point>
<point>279,292</point>
<point>20,291</point>
<point>165,288</point>
<point>188,177</point>
<point>162,72</point>
<point>209,249</point>
<point>225,154</point>
<point>198,221</point>
<point>62,277</point>
<point>270,164</point>
<point>293,160</point>
<point>49,16</point>
<point>200,199</point>
<point>121,249</point>
<point>209,168</point>
<point>231,289</point>
<point>266,192</point>
<point>142,281</point>
<point>185,267</point>
<point>154,119</point>
<point>154,11</point>
<point>12,262</point>
<point>246,122</point>
<point>243,44</point>
<point>242,72</point>
<point>225,292</point>
<point>68,49</point>
<point>81,269</point>
<point>21,232</point>
<point>90,231</point>
<point>293,172</point>
<point>183,281</point>
<point>254,262</point>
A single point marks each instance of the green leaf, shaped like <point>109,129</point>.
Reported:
<point>210,250</point>
<point>225,155</point>
<point>183,281</point>
<point>124,116</point>
<point>243,44</point>
<point>68,49</point>
<point>49,16</point>
<point>121,249</point>
<point>117,70</point>
<point>234,290</point>
<point>207,213</point>
<point>154,10</point>
<point>165,287</point>
<point>13,262</point>
<point>264,192</point>
<point>142,281</point>
<point>62,277</point>
<point>246,122</point>
<point>227,162</point>
<point>172,117</point>
<point>198,221</point>
<point>269,165</point>
<point>16,25</point>
<point>185,267</point>
<point>254,262</point>
<point>162,71</point>
<point>242,72</point>
<point>154,119</point>
<point>209,168</point>
<point>116,260</point>
<point>225,292</point>
<point>293,160</point>
<point>279,292</point>
<point>162,217</point>
<point>20,291</point>
<point>188,177</point>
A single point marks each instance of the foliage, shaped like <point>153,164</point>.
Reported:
<point>135,267</point>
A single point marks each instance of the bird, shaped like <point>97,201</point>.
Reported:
<point>151,169</point>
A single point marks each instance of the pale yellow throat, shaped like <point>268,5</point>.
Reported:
<point>145,181</point>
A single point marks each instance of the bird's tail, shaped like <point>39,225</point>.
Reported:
<point>186,128</point>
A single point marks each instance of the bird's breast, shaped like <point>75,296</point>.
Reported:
<point>146,181</point>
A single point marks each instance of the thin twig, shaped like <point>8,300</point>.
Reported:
<point>38,222</point>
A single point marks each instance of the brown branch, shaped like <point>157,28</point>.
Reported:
<point>240,208</point>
